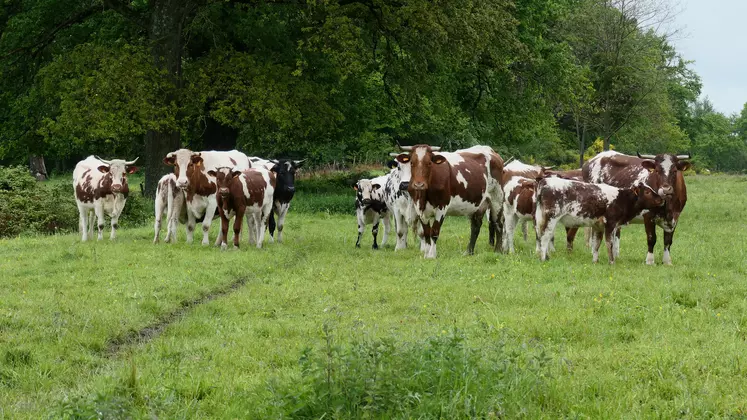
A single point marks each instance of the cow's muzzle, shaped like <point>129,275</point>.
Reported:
<point>403,186</point>
<point>418,186</point>
<point>182,185</point>
<point>290,189</point>
<point>666,191</point>
<point>223,191</point>
<point>116,187</point>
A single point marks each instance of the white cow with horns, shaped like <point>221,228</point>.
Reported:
<point>101,188</point>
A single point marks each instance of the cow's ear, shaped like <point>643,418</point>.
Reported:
<point>403,158</point>
<point>375,187</point>
<point>197,159</point>
<point>391,164</point>
<point>235,174</point>
<point>169,160</point>
<point>438,159</point>
<point>355,187</point>
<point>103,169</point>
<point>683,166</point>
<point>212,173</point>
<point>132,169</point>
<point>649,164</point>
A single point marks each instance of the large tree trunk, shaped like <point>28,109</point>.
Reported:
<point>37,167</point>
<point>165,34</point>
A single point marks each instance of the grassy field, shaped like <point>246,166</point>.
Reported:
<point>314,327</point>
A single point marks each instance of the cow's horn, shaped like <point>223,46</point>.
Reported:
<point>645,156</point>
<point>435,148</point>
<point>406,148</point>
<point>108,162</point>
<point>687,156</point>
<point>132,162</point>
<point>394,154</point>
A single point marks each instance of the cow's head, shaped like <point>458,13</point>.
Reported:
<point>663,171</point>
<point>224,176</point>
<point>185,163</point>
<point>422,159</point>
<point>366,191</point>
<point>285,171</point>
<point>647,197</point>
<point>118,169</point>
<point>401,170</point>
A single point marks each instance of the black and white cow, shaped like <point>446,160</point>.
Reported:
<point>370,208</point>
<point>285,171</point>
<point>399,202</point>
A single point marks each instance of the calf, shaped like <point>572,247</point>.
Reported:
<point>398,201</point>
<point>465,183</point>
<point>570,233</point>
<point>513,169</point>
<point>663,172</point>
<point>101,188</point>
<point>241,193</point>
<point>193,178</point>
<point>169,198</point>
<point>370,207</point>
<point>518,206</point>
<point>603,207</point>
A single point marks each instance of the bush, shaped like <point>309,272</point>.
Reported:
<point>28,206</point>
<point>440,377</point>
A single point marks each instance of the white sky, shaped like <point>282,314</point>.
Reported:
<point>714,35</point>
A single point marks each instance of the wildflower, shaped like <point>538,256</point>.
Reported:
<point>718,314</point>
<point>492,276</point>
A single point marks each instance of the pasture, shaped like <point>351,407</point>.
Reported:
<point>314,326</point>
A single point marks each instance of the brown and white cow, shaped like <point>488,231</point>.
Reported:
<point>101,188</point>
<point>576,175</point>
<point>662,172</point>
<point>464,183</point>
<point>518,206</point>
<point>198,186</point>
<point>169,198</point>
<point>244,193</point>
<point>517,168</point>
<point>603,207</point>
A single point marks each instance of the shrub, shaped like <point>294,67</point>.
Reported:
<point>440,377</point>
<point>28,206</point>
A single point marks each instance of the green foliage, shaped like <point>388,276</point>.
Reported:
<point>31,207</point>
<point>438,377</point>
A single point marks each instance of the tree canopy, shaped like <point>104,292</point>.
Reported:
<point>343,80</point>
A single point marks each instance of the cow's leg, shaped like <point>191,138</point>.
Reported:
<point>191,221</point>
<point>387,227</point>
<point>375,229</point>
<point>207,220</point>
<point>596,242</point>
<point>546,236</point>
<point>616,242</point>
<point>271,223</point>
<point>497,219</point>
<point>426,246</point>
<point>475,225</point>
<point>99,209</point>
<point>570,236</point>
<point>400,224</point>
<point>238,221</point>
<point>119,203</point>
<point>508,235</point>
<point>360,214</point>
<point>223,234</point>
<point>435,232</point>
<point>668,236</point>
<point>91,222</point>
<point>650,226</point>
<point>587,236</point>
<point>491,233</point>
<point>524,229</point>
<point>610,234</point>
<point>83,222</point>
<point>552,242</point>
<point>284,207</point>
<point>159,210</point>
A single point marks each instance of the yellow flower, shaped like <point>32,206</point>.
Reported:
<point>718,314</point>
<point>492,276</point>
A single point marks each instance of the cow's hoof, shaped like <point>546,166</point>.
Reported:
<point>223,247</point>
<point>650,259</point>
<point>357,245</point>
<point>235,247</point>
<point>375,247</point>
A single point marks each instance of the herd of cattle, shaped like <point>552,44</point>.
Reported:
<point>424,185</point>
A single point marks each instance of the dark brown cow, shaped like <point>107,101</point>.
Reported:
<point>240,193</point>
<point>464,183</point>
<point>662,172</point>
<point>603,207</point>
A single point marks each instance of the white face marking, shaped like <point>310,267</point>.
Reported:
<point>420,153</point>
<point>666,165</point>
<point>183,159</point>
<point>461,179</point>
<point>288,166</point>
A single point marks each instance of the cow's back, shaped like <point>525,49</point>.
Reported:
<point>616,169</point>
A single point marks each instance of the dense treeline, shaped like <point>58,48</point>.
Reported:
<point>344,80</point>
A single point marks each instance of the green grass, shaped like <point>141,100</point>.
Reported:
<point>316,326</point>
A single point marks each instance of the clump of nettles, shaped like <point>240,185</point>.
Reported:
<point>440,377</point>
